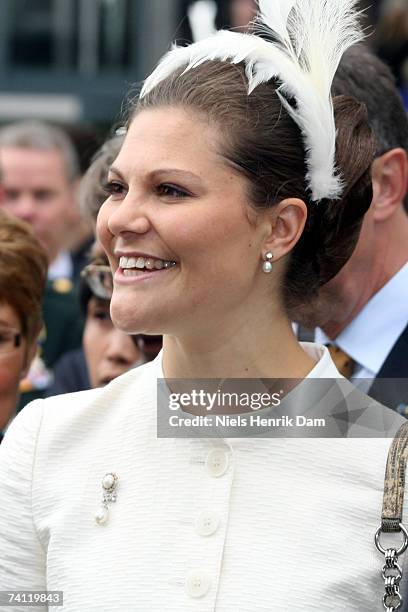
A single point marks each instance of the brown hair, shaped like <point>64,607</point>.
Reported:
<point>23,273</point>
<point>91,192</point>
<point>364,76</point>
<point>261,140</point>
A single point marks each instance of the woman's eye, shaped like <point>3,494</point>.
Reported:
<point>102,316</point>
<point>171,191</point>
<point>113,188</point>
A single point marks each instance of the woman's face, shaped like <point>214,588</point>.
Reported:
<point>13,362</point>
<point>175,201</point>
<point>108,351</point>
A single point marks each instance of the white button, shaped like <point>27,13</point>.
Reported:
<point>207,523</point>
<point>198,583</point>
<point>217,462</point>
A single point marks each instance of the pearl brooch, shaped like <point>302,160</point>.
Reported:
<point>109,485</point>
<point>101,515</point>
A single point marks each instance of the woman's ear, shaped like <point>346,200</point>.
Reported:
<point>288,222</point>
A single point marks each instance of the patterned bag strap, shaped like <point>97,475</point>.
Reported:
<point>391,517</point>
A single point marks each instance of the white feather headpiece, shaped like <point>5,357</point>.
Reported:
<point>309,39</point>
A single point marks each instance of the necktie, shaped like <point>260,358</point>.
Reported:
<point>343,362</point>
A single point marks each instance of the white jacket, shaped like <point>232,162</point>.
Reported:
<point>199,525</point>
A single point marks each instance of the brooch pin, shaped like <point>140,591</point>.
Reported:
<point>109,484</point>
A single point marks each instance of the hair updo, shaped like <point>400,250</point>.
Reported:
<point>262,141</point>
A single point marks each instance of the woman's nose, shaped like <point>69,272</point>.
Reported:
<point>129,216</point>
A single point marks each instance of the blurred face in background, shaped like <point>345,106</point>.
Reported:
<point>15,356</point>
<point>37,190</point>
<point>242,12</point>
<point>108,351</point>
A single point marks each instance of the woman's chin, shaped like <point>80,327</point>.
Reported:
<point>127,323</point>
<point>129,320</point>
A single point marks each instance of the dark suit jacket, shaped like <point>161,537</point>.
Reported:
<point>63,324</point>
<point>390,387</point>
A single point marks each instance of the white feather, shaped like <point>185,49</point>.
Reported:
<point>311,37</point>
<point>276,12</point>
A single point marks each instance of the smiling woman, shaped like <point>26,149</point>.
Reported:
<point>176,220</point>
<point>239,189</point>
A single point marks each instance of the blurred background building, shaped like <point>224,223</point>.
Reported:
<point>72,61</point>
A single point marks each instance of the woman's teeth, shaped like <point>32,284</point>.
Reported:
<point>131,265</point>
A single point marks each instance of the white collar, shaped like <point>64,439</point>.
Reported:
<point>61,267</point>
<point>324,367</point>
<point>370,336</point>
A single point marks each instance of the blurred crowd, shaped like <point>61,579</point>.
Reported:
<point>56,334</point>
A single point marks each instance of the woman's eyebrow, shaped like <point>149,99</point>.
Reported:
<point>116,171</point>
<point>158,173</point>
<point>102,303</point>
<point>182,174</point>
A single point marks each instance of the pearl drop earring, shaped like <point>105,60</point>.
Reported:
<point>267,264</point>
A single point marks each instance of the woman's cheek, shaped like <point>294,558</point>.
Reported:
<point>102,231</point>
<point>11,367</point>
<point>10,375</point>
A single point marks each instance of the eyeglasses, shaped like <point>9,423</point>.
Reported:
<point>99,280</point>
<point>10,339</point>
